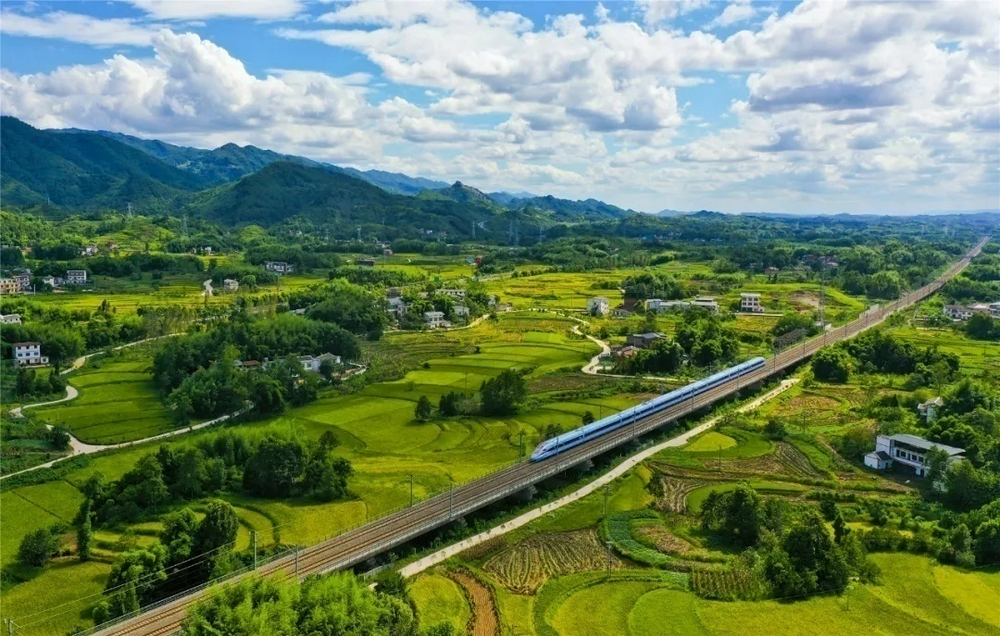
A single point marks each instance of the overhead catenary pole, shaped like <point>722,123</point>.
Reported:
<point>253,537</point>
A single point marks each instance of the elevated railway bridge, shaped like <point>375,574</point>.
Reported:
<point>392,530</point>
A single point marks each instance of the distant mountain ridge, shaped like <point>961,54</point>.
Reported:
<point>83,170</point>
<point>231,162</point>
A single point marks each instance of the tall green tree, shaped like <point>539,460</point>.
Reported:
<point>504,394</point>
<point>85,533</point>
<point>424,409</point>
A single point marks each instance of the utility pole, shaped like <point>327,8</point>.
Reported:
<point>607,488</point>
<point>253,537</point>
<point>296,564</point>
<point>130,210</point>
<point>451,501</point>
<point>822,280</point>
<point>411,490</point>
<point>520,444</point>
<point>609,558</point>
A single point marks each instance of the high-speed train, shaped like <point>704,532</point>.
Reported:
<point>560,443</point>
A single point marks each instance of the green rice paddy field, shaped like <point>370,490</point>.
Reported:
<point>118,402</point>
<point>376,429</point>
<point>916,597</point>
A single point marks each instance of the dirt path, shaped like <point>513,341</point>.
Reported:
<point>483,621</point>
<point>446,553</point>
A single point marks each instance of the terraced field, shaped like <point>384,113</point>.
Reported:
<point>118,403</point>
<point>524,567</point>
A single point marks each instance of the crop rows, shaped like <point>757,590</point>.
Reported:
<point>618,529</point>
<point>727,584</point>
<point>675,492</point>
<point>524,567</point>
<point>796,461</point>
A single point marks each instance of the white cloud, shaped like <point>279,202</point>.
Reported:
<point>76,27</point>
<point>205,9</point>
<point>838,106</point>
<point>734,13</point>
<point>656,12</point>
<point>192,88</point>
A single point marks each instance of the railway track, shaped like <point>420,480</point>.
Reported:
<point>392,530</point>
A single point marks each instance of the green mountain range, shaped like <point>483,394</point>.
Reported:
<point>75,170</point>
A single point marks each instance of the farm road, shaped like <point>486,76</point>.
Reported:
<point>442,555</point>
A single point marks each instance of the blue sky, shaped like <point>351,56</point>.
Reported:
<point>815,106</point>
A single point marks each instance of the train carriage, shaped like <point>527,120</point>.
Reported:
<point>601,427</point>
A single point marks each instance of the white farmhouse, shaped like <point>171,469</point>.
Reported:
<point>76,277</point>
<point>29,353</point>
<point>231,285</point>
<point>705,302</point>
<point>10,319</point>
<point>312,363</point>
<point>958,312</point>
<point>750,302</point>
<point>598,306</point>
<point>435,319</point>
<point>908,450</point>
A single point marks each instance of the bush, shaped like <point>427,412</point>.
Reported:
<point>38,547</point>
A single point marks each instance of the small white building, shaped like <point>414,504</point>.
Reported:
<point>29,353</point>
<point>23,279</point>
<point>76,277</point>
<point>705,302</point>
<point>598,306</point>
<point>908,450</point>
<point>958,312</point>
<point>750,302</point>
<point>461,311</point>
<point>231,285</point>
<point>89,250</point>
<point>312,363</point>
<point>457,294</point>
<point>10,319</point>
<point>435,319</point>
<point>279,267</point>
<point>54,281</point>
<point>929,408</point>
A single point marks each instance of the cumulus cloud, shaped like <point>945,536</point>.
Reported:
<point>193,86</point>
<point>836,106</point>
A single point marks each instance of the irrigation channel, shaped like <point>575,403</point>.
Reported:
<point>356,545</point>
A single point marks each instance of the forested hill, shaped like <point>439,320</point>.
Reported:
<point>231,162</point>
<point>284,190</point>
<point>566,210</point>
<point>85,170</point>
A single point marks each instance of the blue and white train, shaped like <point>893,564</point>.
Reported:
<point>558,444</point>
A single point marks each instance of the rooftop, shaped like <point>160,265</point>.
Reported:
<point>919,442</point>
